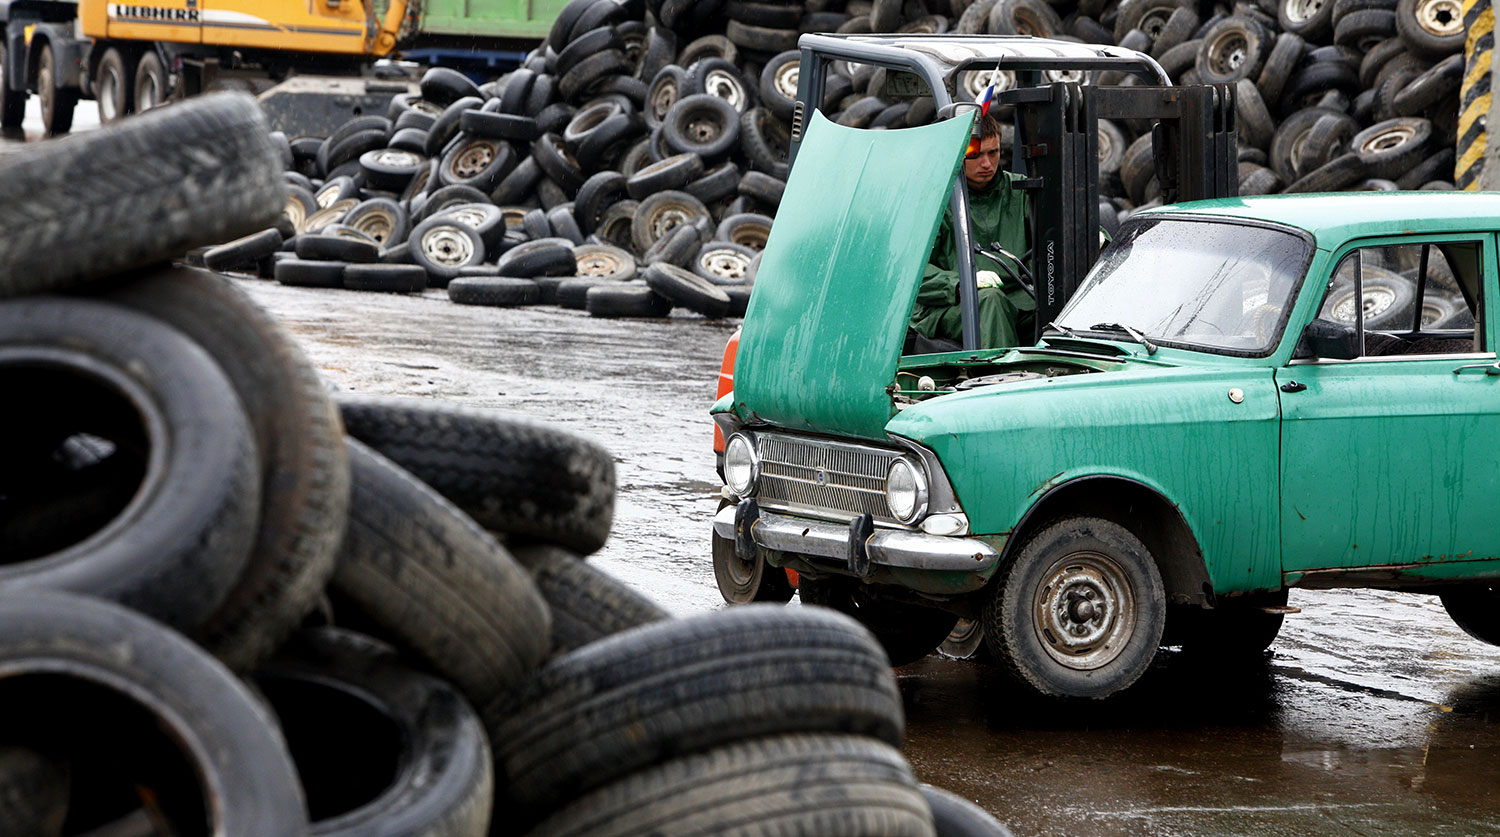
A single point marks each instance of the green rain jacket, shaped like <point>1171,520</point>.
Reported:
<point>996,213</point>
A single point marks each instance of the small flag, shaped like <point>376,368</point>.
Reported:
<point>986,98</point>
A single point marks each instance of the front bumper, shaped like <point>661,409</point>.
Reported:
<point>856,547</point>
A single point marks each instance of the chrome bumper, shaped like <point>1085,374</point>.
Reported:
<point>886,547</point>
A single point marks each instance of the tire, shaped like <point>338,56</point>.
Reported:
<point>1149,16</point>
<point>721,79</point>
<point>1431,28</point>
<point>702,124</point>
<point>351,148</point>
<point>574,83</point>
<point>557,163</point>
<point>542,257</point>
<point>587,604</point>
<point>674,172</point>
<point>683,686</point>
<point>438,586</point>
<point>382,219</point>
<point>955,816</point>
<point>12,102</point>
<point>93,368</point>
<point>478,163</point>
<point>564,225</point>
<point>1235,627</point>
<point>334,248</point>
<point>517,185</point>
<point>1472,608</point>
<point>593,41</point>
<point>202,173</point>
<point>616,225</point>
<point>1387,300</point>
<point>1256,125</point>
<point>723,262</point>
<point>604,261</point>
<point>687,289</point>
<point>744,582</point>
<point>766,142</point>
<point>304,471</point>
<point>494,291</point>
<point>447,124</point>
<point>1431,88</point>
<point>1363,30</point>
<point>613,300</point>
<point>1312,20</point>
<point>669,85</point>
<point>965,641</point>
<point>1102,562</point>
<point>57,102</point>
<point>1338,173</point>
<point>304,274</point>
<point>114,86</point>
<point>443,245</point>
<point>1030,17</point>
<point>1234,48</point>
<point>446,86</point>
<point>1328,138</point>
<point>747,229</point>
<point>601,191</point>
<point>1280,65</point>
<point>1258,180</point>
<point>719,184</point>
<point>759,786</point>
<point>1432,168</point>
<point>151,85</point>
<point>1292,135</point>
<point>778,84</point>
<point>906,632</point>
<point>243,253</point>
<point>1389,149</point>
<point>386,278</point>
<point>511,476</point>
<point>1312,82</point>
<point>661,213</point>
<point>97,680</point>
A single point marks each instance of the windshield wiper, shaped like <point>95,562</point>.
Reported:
<point>1139,338</point>
<point>1065,330</point>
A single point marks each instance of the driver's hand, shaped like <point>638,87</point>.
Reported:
<point>987,279</point>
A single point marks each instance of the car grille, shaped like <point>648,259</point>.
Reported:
<point>829,479</point>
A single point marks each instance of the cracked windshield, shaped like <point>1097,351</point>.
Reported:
<point>1216,286</point>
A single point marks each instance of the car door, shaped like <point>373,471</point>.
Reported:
<point>1389,458</point>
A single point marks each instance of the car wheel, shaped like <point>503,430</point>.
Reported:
<point>743,582</point>
<point>1476,609</point>
<point>1240,626</point>
<point>907,632</point>
<point>1080,611</point>
<point>57,102</point>
<point>965,641</point>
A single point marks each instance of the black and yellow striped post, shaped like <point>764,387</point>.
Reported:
<point>1474,107</point>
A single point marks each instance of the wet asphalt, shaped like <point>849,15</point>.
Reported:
<point>1372,714</point>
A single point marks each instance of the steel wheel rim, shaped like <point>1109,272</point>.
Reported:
<point>149,95</point>
<point>786,77</point>
<point>473,159</point>
<point>721,84</point>
<point>1393,137</point>
<point>1431,14</point>
<point>1084,611</point>
<point>329,214</point>
<point>599,264</point>
<point>1228,52</point>
<point>1301,11</point>
<point>1154,21</point>
<point>295,212</point>
<point>965,638</point>
<point>663,99</point>
<point>377,224</point>
<point>1431,314</point>
<point>447,246</point>
<point>468,216</point>
<point>725,263</point>
<point>668,218</point>
<point>109,90</point>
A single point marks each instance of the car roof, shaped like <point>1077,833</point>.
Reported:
<point>1335,217</point>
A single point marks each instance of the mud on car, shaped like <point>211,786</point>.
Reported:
<point>1243,396</point>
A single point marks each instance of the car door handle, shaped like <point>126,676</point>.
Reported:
<point>1488,368</point>
<point>1293,386</point>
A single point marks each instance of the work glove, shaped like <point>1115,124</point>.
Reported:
<point>987,279</point>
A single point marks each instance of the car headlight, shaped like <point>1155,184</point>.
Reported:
<point>906,491</point>
<point>741,466</point>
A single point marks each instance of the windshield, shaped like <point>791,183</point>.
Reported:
<point>1221,287</point>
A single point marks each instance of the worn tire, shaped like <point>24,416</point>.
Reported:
<point>683,686</point>
<point>379,746</point>
<point>99,369</point>
<point>687,289</point>
<point>497,291</point>
<point>955,816</point>
<point>96,680</point>
<point>759,786</point>
<point>587,603</point>
<point>512,476</point>
<point>201,172</point>
<point>437,584</point>
<point>304,472</point>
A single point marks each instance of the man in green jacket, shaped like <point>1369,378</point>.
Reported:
<point>997,213</point>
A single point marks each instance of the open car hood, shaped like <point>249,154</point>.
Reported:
<point>840,272</point>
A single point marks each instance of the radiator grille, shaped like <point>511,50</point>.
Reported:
<point>829,478</point>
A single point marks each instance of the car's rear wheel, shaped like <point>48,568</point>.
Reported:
<point>1079,613</point>
<point>1476,609</point>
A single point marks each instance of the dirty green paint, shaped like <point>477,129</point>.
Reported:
<point>490,18</point>
<point>1172,429</point>
<point>840,271</point>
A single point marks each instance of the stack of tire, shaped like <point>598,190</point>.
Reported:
<point>232,603</point>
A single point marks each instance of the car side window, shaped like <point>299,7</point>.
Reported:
<point>1416,299</point>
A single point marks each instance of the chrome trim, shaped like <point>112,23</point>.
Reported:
<point>822,478</point>
<point>750,442</point>
<point>729,424</point>
<point>887,547</point>
<point>1333,361</point>
<point>940,496</point>
<point>923,494</point>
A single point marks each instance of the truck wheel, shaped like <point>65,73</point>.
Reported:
<point>12,102</point>
<point>1472,608</point>
<point>114,86</point>
<point>150,82</point>
<point>1079,612</point>
<point>57,102</point>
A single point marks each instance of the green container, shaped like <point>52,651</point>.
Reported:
<point>490,18</point>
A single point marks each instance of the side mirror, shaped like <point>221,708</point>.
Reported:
<point>1325,338</point>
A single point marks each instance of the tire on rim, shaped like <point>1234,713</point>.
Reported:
<point>12,102</point>
<point>1432,28</point>
<point>703,124</point>
<point>114,86</point>
<point>743,582</point>
<point>57,101</point>
<point>444,245</point>
<point>662,212</point>
<point>604,261</point>
<point>723,263</point>
<point>1392,147</point>
<point>1079,612</point>
<point>1234,48</point>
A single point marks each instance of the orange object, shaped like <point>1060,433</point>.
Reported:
<point>726,382</point>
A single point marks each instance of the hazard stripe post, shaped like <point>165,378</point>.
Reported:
<point>1474,102</point>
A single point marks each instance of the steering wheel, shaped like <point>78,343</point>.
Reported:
<point>1010,263</point>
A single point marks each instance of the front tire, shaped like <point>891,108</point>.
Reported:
<point>57,102</point>
<point>1476,609</point>
<point>1079,613</point>
<point>743,582</point>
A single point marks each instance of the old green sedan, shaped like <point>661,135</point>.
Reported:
<point>1245,395</point>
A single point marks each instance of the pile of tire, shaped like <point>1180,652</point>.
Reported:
<point>232,602</point>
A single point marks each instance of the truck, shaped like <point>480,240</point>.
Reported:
<point>131,57</point>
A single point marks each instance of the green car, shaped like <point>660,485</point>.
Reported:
<point>1244,395</point>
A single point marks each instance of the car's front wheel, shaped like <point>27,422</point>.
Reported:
<point>1079,613</point>
<point>1476,609</point>
<point>908,632</point>
<point>743,582</point>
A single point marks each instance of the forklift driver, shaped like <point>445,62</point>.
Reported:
<point>997,213</point>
